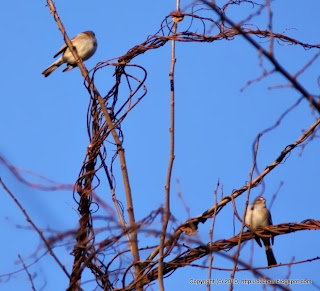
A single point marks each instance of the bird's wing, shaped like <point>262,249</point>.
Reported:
<point>270,223</point>
<point>270,219</point>
<point>258,241</point>
<point>61,50</point>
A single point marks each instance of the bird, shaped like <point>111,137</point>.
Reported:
<point>85,44</point>
<point>258,215</point>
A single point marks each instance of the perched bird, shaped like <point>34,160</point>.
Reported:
<point>85,44</point>
<point>258,215</point>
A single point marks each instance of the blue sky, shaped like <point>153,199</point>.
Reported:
<point>43,127</point>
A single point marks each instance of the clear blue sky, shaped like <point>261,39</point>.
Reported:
<point>43,129</point>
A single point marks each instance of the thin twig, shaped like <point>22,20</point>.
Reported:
<point>47,244</point>
<point>211,237</point>
<point>29,275</point>
<point>134,241</point>
<point>269,56</point>
<point>225,200</point>
<point>167,212</point>
<point>187,258</point>
<point>237,254</point>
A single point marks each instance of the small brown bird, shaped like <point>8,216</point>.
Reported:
<point>85,44</point>
<point>258,215</point>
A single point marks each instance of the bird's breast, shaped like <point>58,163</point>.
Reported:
<point>85,47</point>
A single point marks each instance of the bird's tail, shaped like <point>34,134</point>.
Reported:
<point>53,67</point>
<point>270,256</point>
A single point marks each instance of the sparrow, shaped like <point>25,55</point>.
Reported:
<point>86,45</point>
<point>258,215</point>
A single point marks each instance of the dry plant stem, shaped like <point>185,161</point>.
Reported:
<point>74,283</point>
<point>267,170</point>
<point>122,221</point>
<point>270,26</point>
<point>171,159</point>
<point>29,275</point>
<point>47,244</point>
<point>211,237</point>
<point>269,56</point>
<point>187,258</point>
<point>255,182</point>
<point>237,254</point>
<point>85,231</point>
<point>54,186</point>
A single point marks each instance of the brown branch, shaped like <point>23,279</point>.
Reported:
<point>268,55</point>
<point>16,172</point>
<point>47,244</point>
<point>211,237</point>
<point>192,224</point>
<point>28,273</point>
<point>85,228</point>
<point>194,254</point>
<point>167,212</point>
<point>83,238</point>
<point>207,214</point>
<point>237,254</point>
<point>100,134</point>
